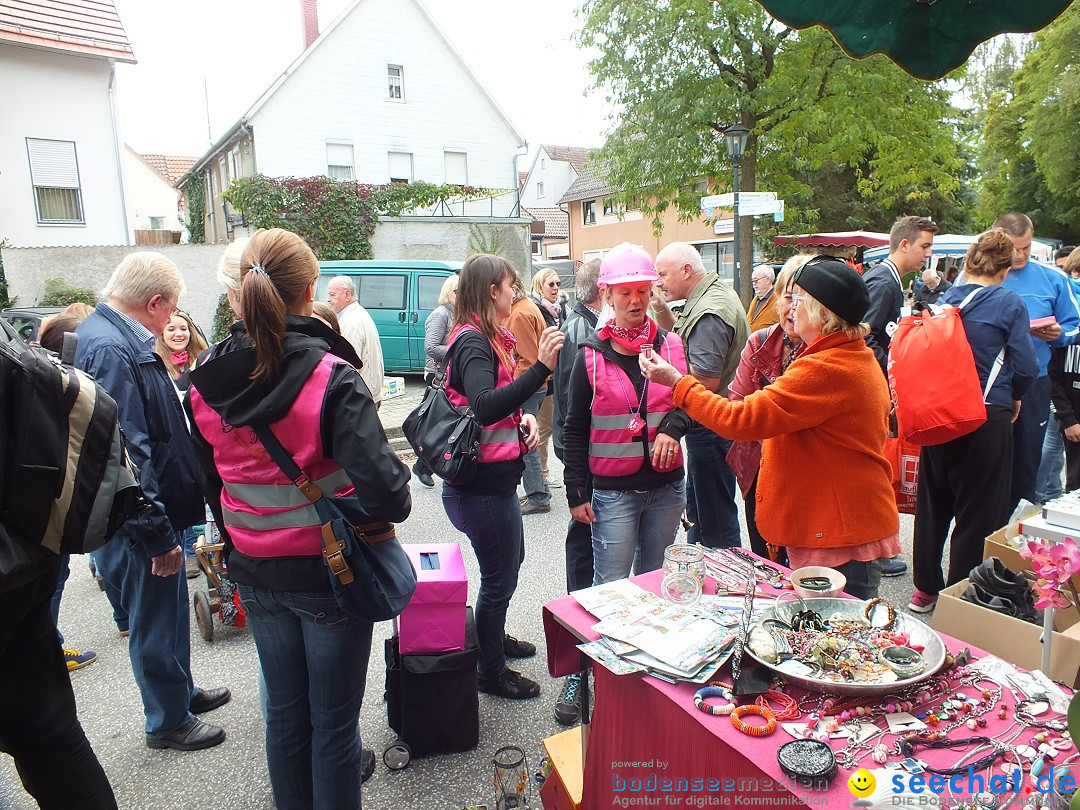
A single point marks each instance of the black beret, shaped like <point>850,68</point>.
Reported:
<point>836,285</point>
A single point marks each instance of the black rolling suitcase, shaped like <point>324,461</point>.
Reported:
<point>431,700</point>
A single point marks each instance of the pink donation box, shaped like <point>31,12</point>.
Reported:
<point>434,620</point>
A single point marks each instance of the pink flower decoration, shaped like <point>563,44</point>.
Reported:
<point>1054,564</point>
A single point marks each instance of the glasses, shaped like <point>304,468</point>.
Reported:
<point>797,299</point>
<point>554,283</point>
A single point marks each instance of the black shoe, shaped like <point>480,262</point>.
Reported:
<point>978,595</point>
<point>367,764</point>
<point>192,736</point>
<point>568,706</point>
<point>206,700</point>
<point>425,478</point>
<point>513,648</point>
<point>994,577</point>
<point>511,685</point>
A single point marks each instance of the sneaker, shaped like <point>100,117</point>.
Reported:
<point>423,476</point>
<point>191,566</point>
<point>892,567</point>
<point>553,483</point>
<point>532,507</point>
<point>994,577</point>
<point>513,648</point>
<point>510,685</point>
<point>568,706</point>
<point>922,602</point>
<point>77,659</point>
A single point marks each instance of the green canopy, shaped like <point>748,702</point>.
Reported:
<point>927,38</point>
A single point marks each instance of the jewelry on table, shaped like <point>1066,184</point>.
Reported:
<point>788,707</point>
<point>890,613</point>
<point>706,692</point>
<point>1024,714</point>
<point>744,630</point>
<point>906,747</point>
<point>810,763</point>
<point>740,712</point>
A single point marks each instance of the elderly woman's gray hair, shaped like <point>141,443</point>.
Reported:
<point>228,269</point>
<point>142,275</point>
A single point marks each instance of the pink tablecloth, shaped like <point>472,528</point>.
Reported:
<point>645,731</point>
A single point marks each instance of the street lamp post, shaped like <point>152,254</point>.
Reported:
<point>735,141</point>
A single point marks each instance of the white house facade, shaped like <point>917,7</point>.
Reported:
<point>153,201</point>
<point>61,176</point>
<point>380,96</point>
<point>554,169</point>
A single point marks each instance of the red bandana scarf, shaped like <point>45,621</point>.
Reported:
<point>179,359</point>
<point>632,338</point>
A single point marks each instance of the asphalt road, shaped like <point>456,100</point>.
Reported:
<point>233,776</point>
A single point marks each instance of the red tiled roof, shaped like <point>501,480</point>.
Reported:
<point>556,221</point>
<point>589,184</point>
<point>87,27</point>
<point>522,177</point>
<point>169,167</point>
<point>576,156</point>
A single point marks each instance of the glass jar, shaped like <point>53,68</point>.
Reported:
<point>681,588</point>
<point>685,558</point>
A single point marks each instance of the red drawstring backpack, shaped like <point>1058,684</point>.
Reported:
<point>932,377</point>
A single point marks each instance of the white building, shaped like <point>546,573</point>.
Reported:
<point>61,176</point>
<point>554,169</point>
<point>152,197</point>
<point>380,96</point>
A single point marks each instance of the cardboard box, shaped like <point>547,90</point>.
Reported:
<point>1013,640</point>
<point>563,788</point>
<point>393,387</point>
<point>434,620</point>
<point>998,545</point>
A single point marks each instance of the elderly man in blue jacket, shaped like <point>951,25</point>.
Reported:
<point>144,560</point>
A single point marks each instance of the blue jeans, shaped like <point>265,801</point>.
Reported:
<point>710,491</point>
<point>112,593</point>
<point>493,525</point>
<point>313,660</point>
<point>633,528</point>
<point>533,477</point>
<point>160,641</point>
<point>1029,430</point>
<point>1048,480</point>
<point>863,578</point>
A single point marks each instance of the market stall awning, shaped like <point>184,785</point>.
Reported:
<point>836,239</point>
<point>927,38</point>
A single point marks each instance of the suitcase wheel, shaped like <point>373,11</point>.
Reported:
<point>397,755</point>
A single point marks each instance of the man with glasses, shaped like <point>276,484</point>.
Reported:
<point>762,312</point>
<point>144,560</point>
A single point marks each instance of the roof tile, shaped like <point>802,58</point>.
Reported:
<point>576,156</point>
<point>88,27</point>
<point>556,221</point>
<point>170,167</point>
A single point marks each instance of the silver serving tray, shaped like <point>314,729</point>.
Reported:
<point>919,633</point>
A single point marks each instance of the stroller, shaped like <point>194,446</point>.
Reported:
<point>221,597</point>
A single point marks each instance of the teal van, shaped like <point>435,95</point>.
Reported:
<point>399,295</point>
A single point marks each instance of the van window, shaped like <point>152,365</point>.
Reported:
<point>427,291</point>
<point>381,292</point>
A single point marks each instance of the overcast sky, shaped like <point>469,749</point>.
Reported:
<point>521,52</point>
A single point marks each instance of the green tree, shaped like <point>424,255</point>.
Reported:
<point>58,293</point>
<point>682,71</point>
<point>224,318</point>
<point>195,221</point>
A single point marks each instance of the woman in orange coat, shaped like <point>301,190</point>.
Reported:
<point>825,488</point>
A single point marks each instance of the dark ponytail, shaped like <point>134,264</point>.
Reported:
<point>277,268</point>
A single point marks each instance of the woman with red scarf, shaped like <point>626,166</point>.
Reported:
<point>624,431</point>
<point>180,346</point>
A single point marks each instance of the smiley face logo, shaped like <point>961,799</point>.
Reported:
<point>861,783</point>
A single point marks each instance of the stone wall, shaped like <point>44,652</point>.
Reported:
<point>435,238</point>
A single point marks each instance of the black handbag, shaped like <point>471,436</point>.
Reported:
<point>445,437</point>
<point>371,575</point>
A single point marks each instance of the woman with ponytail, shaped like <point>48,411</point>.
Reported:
<point>283,369</point>
<point>968,478</point>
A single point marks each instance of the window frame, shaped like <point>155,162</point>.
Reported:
<point>464,155</point>
<point>350,166</point>
<point>400,82</point>
<point>588,212</point>
<point>539,189</point>
<point>412,167</point>
<point>39,189</point>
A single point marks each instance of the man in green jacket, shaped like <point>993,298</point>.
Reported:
<point>714,329</point>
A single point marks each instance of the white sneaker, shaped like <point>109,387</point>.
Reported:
<point>553,483</point>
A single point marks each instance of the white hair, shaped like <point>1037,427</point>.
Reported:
<point>765,270</point>
<point>228,269</point>
<point>345,283</point>
<point>142,275</point>
<point>681,254</point>
<point>929,274</point>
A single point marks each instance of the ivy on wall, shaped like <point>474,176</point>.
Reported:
<point>337,218</point>
<point>58,293</point>
<point>195,221</point>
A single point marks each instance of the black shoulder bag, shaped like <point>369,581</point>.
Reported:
<point>444,436</point>
<point>371,575</point>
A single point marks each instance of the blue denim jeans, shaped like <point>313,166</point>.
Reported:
<point>863,578</point>
<point>160,642</point>
<point>710,491</point>
<point>1052,464</point>
<point>493,525</point>
<point>313,660</point>
<point>112,593</point>
<point>533,477</point>
<point>633,528</point>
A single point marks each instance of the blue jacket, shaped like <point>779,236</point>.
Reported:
<point>154,426</point>
<point>1046,292</point>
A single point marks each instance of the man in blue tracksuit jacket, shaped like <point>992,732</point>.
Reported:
<point>1046,293</point>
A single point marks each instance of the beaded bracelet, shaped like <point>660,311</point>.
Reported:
<point>890,613</point>
<point>754,731</point>
<point>706,692</point>
<point>788,707</point>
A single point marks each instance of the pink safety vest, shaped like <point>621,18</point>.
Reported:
<point>266,515</point>
<point>502,440</point>
<point>613,450</point>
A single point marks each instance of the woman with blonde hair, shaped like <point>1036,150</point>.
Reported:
<point>179,347</point>
<point>968,479</point>
<point>285,369</point>
<point>825,487</point>
<point>546,286</point>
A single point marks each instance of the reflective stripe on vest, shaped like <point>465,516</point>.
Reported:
<point>500,441</point>
<point>266,515</point>
<point>613,450</point>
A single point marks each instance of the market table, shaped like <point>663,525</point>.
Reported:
<point>644,730</point>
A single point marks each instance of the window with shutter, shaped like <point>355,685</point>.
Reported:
<point>401,167</point>
<point>54,173</point>
<point>339,161</point>
<point>456,165</point>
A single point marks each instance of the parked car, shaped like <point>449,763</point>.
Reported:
<point>26,321</point>
<point>399,295</point>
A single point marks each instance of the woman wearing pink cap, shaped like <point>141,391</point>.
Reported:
<point>624,431</point>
